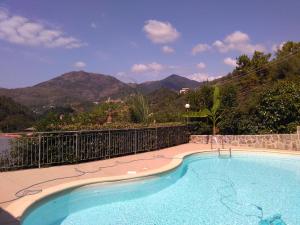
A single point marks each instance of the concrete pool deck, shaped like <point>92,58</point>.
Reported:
<point>39,183</point>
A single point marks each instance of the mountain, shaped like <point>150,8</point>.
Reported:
<point>84,88</point>
<point>172,82</point>
<point>69,88</point>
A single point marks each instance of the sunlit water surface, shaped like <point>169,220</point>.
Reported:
<point>204,190</point>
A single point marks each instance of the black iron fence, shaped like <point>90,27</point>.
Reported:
<point>56,148</point>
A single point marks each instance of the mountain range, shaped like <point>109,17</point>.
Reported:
<point>80,86</point>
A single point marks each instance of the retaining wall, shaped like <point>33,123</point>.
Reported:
<point>271,141</point>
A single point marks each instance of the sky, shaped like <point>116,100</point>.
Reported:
<point>137,40</point>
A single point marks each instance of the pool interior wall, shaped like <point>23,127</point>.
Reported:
<point>204,189</point>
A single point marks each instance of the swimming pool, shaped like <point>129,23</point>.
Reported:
<point>247,189</point>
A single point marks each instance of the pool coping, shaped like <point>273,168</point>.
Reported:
<point>20,206</point>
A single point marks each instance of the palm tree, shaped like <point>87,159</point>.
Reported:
<point>212,113</point>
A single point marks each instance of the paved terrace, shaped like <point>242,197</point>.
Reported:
<point>53,179</point>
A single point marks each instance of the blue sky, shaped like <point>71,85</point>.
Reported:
<point>137,40</point>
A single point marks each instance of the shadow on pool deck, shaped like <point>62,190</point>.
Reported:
<point>7,219</point>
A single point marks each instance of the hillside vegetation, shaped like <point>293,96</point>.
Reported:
<point>79,89</point>
<point>261,95</point>
<point>14,116</point>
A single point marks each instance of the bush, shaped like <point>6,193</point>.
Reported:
<point>278,110</point>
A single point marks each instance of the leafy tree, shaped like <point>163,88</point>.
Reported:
<point>211,113</point>
<point>201,98</point>
<point>243,64</point>
<point>258,64</point>
<point>14,116</point>
<point>48,122</point>
<point>229,104</point>
<point>279,108</point>
<point>166,105</point>
<point>100,112</point>
<point>228,97</point>
<point>255,65</point>
<point>289,57</point>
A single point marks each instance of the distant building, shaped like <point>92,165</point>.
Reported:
<point>109,100</point>
<point>184,90</point>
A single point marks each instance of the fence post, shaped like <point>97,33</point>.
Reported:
<point>156,138</point>
<point>76,147</point>
<point>40,148</point>
<point>135,141</point>
<point>169,135</point>
<point>109,143</point>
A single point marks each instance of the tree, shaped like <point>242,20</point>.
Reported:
<point>289,57</point>
<point>211,113</point>
<point>258,64</point>
<point>14,116</point>
<point>229,104</point>
<point>279,108</point>
<point>243,63</point>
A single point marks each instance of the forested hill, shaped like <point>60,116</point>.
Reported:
<point>261,95</point>
<point>13,116</point>
<point>173,82</point>
<point>80,87</point>
<point>69,88</point>
<point>261,71</point>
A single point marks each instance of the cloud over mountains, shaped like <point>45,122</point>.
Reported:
<point>21,30</point>
<point>236,41</point>
<point>160,32</point>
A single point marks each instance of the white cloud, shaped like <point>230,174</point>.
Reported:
<point>151,67</point>
<point>167,49</point>
<point>20,30</point>
<point>80,64</point>
<point>201,77</point>
<point>230,62</point>
<point>155,66</point>
<point>277,47</point>
<point>201,65</point>
<point>93,25</point>
<point>200,48</point>
<point>160,32</point>
<point>238,41</point>
<point>237,37</point>
<point>139,68</point>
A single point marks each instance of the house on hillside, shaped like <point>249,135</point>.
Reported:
<point>184,90</point>
<point>109,100</point>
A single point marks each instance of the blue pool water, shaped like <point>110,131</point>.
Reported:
<point>247,189</point>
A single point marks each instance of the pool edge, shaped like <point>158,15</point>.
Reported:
<point>19,207</point>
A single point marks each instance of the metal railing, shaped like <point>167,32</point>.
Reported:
<point>57,148</point>
<point>225,150</point>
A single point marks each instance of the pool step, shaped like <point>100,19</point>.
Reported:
<point>220,151</point>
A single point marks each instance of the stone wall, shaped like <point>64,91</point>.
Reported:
<point>271,141</point>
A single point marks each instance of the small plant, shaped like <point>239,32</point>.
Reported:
<point>139,109</point>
